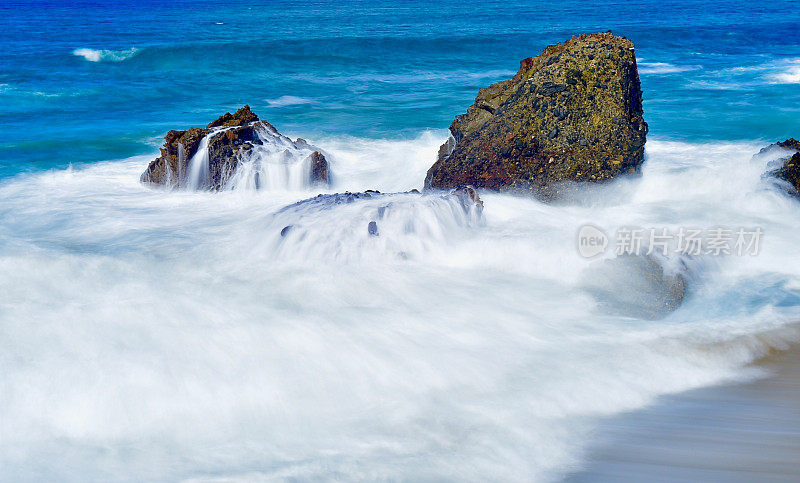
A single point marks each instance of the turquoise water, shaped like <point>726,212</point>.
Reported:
<point>162,335</point>
<point>710,70</point>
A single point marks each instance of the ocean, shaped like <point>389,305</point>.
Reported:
<point>152,334</point>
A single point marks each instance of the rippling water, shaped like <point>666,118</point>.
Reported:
<point>153,334</point>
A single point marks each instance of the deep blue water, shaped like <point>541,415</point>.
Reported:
<point>711,70</point>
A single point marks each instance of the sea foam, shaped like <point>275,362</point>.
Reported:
<point>288,101</point>
<point>789,73</point>
<point>664,68</point>
<point>178,335</point>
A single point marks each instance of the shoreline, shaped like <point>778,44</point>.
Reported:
<point>747,431</point>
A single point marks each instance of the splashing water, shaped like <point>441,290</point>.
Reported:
<point>198,165</point>
<point>176,334</point>
<point>276,164</point>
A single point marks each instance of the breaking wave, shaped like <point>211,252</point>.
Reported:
<point>94,55</point>
<point>789,73</point>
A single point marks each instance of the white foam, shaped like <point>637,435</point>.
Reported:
<point>176,334</point>
<point>664,68</point>
<point>95,55</point>
<point>789,73</point>
<point>288,101</point>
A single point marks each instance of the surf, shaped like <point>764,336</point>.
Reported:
<point>185,322</point>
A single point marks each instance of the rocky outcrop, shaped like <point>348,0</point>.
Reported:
<point>574,113</point>
<point>790,170</point>
<point>229,141</point>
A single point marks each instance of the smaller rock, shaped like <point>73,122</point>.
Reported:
<point>319,167</point>
<point>790,143</point>
<point>372,228</point>
<point>551,88</point>
<point>468,195</point>
<point>286,230</point>
<point>638,286</point>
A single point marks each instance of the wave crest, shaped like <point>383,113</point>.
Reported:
<point>664,68</point>
<point>789,75</point>
<point>288,101</point>
<point>94,55</point>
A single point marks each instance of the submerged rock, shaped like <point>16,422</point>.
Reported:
<point>574,113</point>
<point>636,286</point>
<point>465,197</point>
<point>229,142</point>
<point>369,224</point>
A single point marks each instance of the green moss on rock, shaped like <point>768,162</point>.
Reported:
<point>574,113</point>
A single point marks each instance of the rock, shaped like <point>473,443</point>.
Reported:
<point>790,172</point>
<point>790,143</point>
<point>788,154</point>
<point>466,195</point>
<point>319,167</point>
<point>285,231</point>
<point>231,138</point>
<point>538,129</point>
<point>636,286</point>
<point>372,228</point>
<point>351,226</point>
<point>239,118</point>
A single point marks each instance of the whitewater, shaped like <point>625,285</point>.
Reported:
<point>160,334</point>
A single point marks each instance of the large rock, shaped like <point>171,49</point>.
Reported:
<point>574,113</point>
<point>231,141</point>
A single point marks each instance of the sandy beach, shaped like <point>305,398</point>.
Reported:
<point>734,432</point>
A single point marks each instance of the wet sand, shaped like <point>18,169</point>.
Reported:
<point>735,432</point>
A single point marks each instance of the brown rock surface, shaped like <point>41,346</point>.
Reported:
<point>574,113</point>
<point>230,136</point>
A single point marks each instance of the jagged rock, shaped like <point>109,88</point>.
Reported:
<point>574,113</point>
<point>231,136</point>
<point>319,167</point>
<point>790,143</point>
<point>790,170</point>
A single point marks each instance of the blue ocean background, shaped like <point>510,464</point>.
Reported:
<point>710,70</point>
